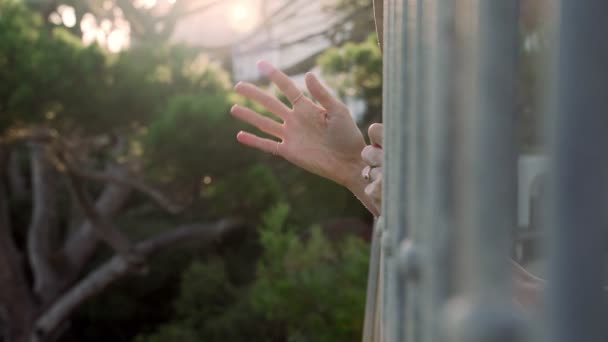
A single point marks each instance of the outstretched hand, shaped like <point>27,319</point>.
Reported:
<point>320,138</point>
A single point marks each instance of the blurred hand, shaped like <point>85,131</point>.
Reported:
<point>320,138</point>
<point>373,156</point>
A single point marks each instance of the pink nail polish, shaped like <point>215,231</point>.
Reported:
<point>265,68</point>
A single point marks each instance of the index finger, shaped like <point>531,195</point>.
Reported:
<point>282,81</point>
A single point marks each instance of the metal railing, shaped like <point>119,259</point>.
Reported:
<point>440,266</point>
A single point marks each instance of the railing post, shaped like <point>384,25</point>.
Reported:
<point>487,36</point>
<point>439,208</point>
<point>579,175</point>
<point>397,130</point>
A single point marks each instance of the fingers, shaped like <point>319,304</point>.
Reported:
<point>282,81</point>
<point>320,93</point>
<point>374,190</point>
<point>271,103</point>
<point>375,133</point>
<point>372,156</point>
<point>371,173</point>
<point>254,141</point>
<point>261,122</point>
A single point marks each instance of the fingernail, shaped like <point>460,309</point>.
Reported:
<point>233,107</point>
<point>265,68</point>
<point>237,85</point>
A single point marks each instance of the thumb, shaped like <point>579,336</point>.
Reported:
<point>375,133</point>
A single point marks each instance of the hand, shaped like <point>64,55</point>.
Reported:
<point>320,138</point>
<point>373,156</point>
<point>528,288</point>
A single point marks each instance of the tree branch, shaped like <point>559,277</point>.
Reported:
<point>379,21</point>
<point>81,244</point>
<point>16,301</point>
<point>156,195</point>
<point>43,227</point>
<point>194,10</point>
<point>104,228</point>
<point>119,266</point>
<point>324,32</point>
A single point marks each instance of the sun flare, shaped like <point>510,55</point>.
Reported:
<point>243,15</point>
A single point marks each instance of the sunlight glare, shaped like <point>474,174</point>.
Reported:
<point>243,16</point>
<point>88,22</point>
<point>117,41</point>
<point>55,18</point>
<point>145,4</point>
<point>68,15</point>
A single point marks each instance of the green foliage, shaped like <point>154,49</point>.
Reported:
<point>355,69</point>
<point>42,71</point>
<point>191,131</point>
<point>313,289</point>
<point>360,22</point>
<point>256,187</point>
<point>305,290</point>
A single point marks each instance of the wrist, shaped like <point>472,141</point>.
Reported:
<point>356,184</point>
<point>351,176</point>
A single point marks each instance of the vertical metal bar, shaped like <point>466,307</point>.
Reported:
<point>388,95</point>
<point>495,147</point>
<point>411,105</point>
<point>487,173</point>
<point>439,209</point>
<point>421,238</point>
<point>396,170</point>
<point>372,305</point>
<point>579,217</point>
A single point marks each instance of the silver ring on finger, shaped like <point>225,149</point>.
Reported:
<point>367,173</point>
<point>298,98</point>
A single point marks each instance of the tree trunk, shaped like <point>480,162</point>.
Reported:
<point>16,177</point>
<point>19,326</point>
<point>17,307</point>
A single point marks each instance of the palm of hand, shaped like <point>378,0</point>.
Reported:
<point>320,138</point>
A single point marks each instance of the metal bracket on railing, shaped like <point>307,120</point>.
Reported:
<point>409,261</point>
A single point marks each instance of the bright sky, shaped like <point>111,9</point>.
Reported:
<point>219,25</point>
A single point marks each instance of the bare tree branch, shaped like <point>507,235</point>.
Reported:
<point>327,30</point>
<point>43,227</point>
<point>194,10</point>
<point>279,15</point>
<point>199,232</point>
<point>105,229</point>
<point>16,301</point>
<point>379,21</point>
<point>119,266</point>
<point>132,182</point>
<point>81,244</point>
